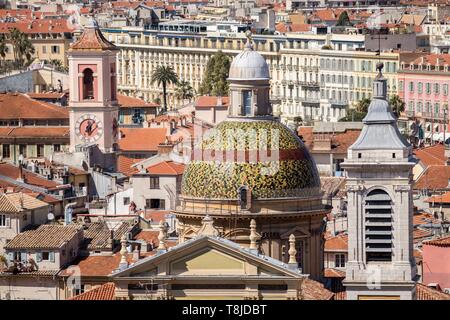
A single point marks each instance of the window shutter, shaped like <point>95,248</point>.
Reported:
<point>23,256</point>
<point>10,257</point>
<point>38,256</point>
<point>51,256</point>
<point>8,221</point>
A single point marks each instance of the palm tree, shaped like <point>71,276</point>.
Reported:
<point>397,105</point>
<point>184,90</point>
<point>164,75</point>
<point>22,46</point>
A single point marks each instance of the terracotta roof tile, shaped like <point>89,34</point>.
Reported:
<point>51,26</point>
<point>20,106</point>
<point>313,290</point>
<point>125,165</point>
<point>441,242</point>
<point>92,39</point>
<point>13,172</point>
<point>334,273</point>
<point>337,243</point>
<point>35,132</point>
<point>19,202</point>
<point>166,168</point>
<point>426,293</point>
<point>131,102</point>
<point>104,292</point>
<point>434,177</point>
<point>444,198</point>
<point>423,218</point>
<point>45,237</point>
<point>141,139</point>
<point>420,234</point>
<point>210,101</point>
<point>433,155</point>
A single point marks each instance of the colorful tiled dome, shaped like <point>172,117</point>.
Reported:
<point>235,153</point>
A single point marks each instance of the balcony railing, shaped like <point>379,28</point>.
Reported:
<point>338,103</point>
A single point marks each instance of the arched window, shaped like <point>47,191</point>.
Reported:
<point>378,226</point>
<point>244,198</point>
<point>88,84</point>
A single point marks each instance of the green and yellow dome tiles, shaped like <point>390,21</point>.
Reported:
<point>235,153</point>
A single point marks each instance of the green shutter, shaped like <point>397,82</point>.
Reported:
<point>51,256</point>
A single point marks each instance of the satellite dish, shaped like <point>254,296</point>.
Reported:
<point>51,216</point>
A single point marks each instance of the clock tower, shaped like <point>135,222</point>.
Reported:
<point>93,92</point>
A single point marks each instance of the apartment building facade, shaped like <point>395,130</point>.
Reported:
<point>314,76</point>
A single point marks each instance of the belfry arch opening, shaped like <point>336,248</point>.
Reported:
<point>378,226</point>
<point>88,84</point>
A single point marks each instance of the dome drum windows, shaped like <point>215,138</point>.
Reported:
<point>378,226</point>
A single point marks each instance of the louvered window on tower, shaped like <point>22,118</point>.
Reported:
<point>378,226</point>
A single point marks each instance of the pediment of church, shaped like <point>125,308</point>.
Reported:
<point>208,261</point>
<point>206,256</point>
<point>298,232</point>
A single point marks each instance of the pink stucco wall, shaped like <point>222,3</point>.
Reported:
<point>423,97</point>
<point>436,265</point>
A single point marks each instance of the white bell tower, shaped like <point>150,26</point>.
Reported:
<point>380,209</point>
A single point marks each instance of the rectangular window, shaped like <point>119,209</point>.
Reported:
<point>340,260</point>
<point>23,150</point>
<point>126,201</point>
<point>247,103</point>
<point>40,150</point>
<point>154,182</point>
<point>55,49</point>
<point>57,147</point>
<point>6,153</point>
<point>400,86</point>
<point>44,49</point>
<point>428,88</point>
<point>420,87</point>
<point>445,89</point>
<point>159,204</point>
<point>436,88</point>
<point>3,220</point>
<point>45,256</point>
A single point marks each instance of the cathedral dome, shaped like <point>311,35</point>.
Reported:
<point>249,65</point>
<point>233,155</point>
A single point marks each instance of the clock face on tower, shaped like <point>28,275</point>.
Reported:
<point>89,128</point>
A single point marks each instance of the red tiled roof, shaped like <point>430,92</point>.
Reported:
<point>92,39</point>
<point>293,27</point>
<point>333,273</point>
<point>434,177</point>
<point>210,101</point>
<point>124,164</point>
<point>423,218</point>
<point>149,236</point>
<point>156,215</point>
<point>131,102</point>
<point>166,168</point>
<point>426,293</point>
<point>104,292</point>
<point>313,290</point>
<point>13,172</point>
<point>337,243</point>
<point>340,142</point>
<point>141,139</point>
<point>20,106</point>
<point>420,234</point>
<point>37,26</point>
<point>35,132</point>
<point>441,242</point>
<point>433,59</point>
<point>46,95</point>
<point>306,134</point>
<point>444,198</point>
<point>433,155</point>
